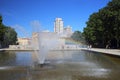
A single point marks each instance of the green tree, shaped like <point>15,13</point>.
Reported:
<point>114,8</point>
<point>0,19</point>
<point>2,31</point>
<point>8,35</point>
<point>103,27</point>
<point>94,30</point>
<point>78,36</point>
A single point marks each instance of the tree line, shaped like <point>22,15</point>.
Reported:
<point>78,36</point>
<point>103,27</point>
<point>8,35</point>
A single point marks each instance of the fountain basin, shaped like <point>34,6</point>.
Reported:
<point>59,65</point>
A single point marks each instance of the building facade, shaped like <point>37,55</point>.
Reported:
<point>48,40</point>
<point>60,29</point>
<point>24,41</point>
<point>68,31</point>
<point>24,44</point>
<point>58,25</point>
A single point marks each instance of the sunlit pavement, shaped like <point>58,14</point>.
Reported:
<point>105,51</point>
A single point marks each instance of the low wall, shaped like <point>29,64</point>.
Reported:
<point>61,47</point>
<point>20,47</point>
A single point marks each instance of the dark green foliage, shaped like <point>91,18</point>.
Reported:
<point>2,30</point>
<point>103,27</point>
<point>0,19</point>
<point>78,36</point>
<point>8,36</point>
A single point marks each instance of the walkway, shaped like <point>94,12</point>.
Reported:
<point>105,51</point>
<point>1,49</point>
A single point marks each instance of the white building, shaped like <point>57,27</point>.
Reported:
<point>60,29</point>
<point>24,41</point>
<point>24,44</point>
<point>68,31</point>
<point>58,25</point>
<point>49,40</point>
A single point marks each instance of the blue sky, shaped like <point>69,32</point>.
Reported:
<point>24,14</point>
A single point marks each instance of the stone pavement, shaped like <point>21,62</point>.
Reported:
<point>105,51</point>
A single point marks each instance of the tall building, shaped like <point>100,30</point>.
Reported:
<point>58,25</point>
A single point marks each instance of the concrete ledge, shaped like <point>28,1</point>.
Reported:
<point>105,51</point>
<point>7,49</point>
<point>59,49</point>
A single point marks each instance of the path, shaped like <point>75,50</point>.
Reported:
<point>105,51</point>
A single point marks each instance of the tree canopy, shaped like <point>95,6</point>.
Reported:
<point>103,27</point>
<point>8,35</point>
<point>78,36</point>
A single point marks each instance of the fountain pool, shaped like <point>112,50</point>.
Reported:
<point>64,65</point>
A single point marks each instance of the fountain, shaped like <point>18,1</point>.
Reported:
<point>63,64</point>
<point>43,42</point>
<point>56,60</point>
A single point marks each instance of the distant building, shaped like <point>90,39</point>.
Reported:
<point>24,44</point>
<point>68,31</point>
<point>60,29</point>
<point>50,40</point>
<point>58,25</point>
<point>24,41</point>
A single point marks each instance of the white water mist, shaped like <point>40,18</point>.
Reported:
<point>44,42</point>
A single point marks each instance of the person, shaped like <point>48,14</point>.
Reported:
<point>90,46</point>
<point>107,46</point>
